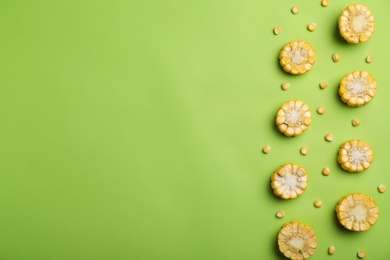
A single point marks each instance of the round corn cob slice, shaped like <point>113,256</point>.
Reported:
<point>293,118</point>
<point>357,212</point>
<point>355,156</point>
<point>356,23</point>
<point>357,88</point>
<point>297,241</point>
<point>289,181</point>
<point>297,57</point>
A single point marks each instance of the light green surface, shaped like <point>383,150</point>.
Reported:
<point>133,129</point>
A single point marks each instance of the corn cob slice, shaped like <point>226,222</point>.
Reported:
<point>357,212</point>
<point>289,181</point>
<point>293,118</point>
<point>355,156</point>
<point>297,241</point>
<point>356,23</point>
<point>357,88</point>
<point>297,57</point>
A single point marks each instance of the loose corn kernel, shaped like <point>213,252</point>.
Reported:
<point>331,250</point>
<point>355,156</point>
<point>297,57</point>
<point>321,110</point>
<point>277,30</point>
<point>295,10</point>
<point>289,181</point>
<point>356,23</point>
<point>329,137</point>
<point>336,57</point>
<point>381,188</point>
<point>266,149</point>
<point>280,214</point>
<point>357,88</point>
<point>293,118</point>
<point>326,171</point>
<point>286,85</point>
<point>361,254</point>
<point>318,203</point>
<point>369,59</point>
<point>323,85</point>
<point>304,150</point>
<point>325,3</point>
<point>355,122</point>
<point>311,27</point>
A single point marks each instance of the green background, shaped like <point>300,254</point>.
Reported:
<point>133,129</point>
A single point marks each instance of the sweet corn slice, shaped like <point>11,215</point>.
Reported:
<point>297,241</point>
<point>323,85</point>
<point>356,23</point>
<point>311,27</point>
<point>321,110</point>
<point>318,203</point>
<point>357,88</point>
<point>295,10</point>
<point>326,171</point>
<point>293,118</point>
<point>304,150</point>
<point>324,3</point>
<point>331,250</point>
<point>286,86</point>
<point>280,214</point>
<point>266,149</point>
<point>336,57</point>
<point>289,181</point>
<point>357,212</point>
<point>369,59</point>
<point>381,188</point>
<point>361,254</point>
<point>297,57</point>
<point>355,156</point>
<point>277,30</point>
<point>355,122</point>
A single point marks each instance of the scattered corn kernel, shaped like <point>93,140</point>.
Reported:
<point>280,214</point>
<point>369,59</point>
<point>277,30</point>
<point>311,27</point>
<point>321,110</point>
<point>326,171</point>
<point>357,88</point>
<point>355,122</point>
<point>297,57</point>
<point>361,254</point>
<point>293,118</point>
<point>329,137</point>
<point>331,250</point>
<point>286,85</point>
<point>325,3</point>
<point>289,181</point>
<point>355,156</point>
<point>381,188</point>
<point>323,85</point>
<point>304,150</point>
<point>318,203</point>
<point>266,149</point>
<point>336,57</point>
<point>295,10</point>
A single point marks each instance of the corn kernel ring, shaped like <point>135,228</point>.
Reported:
<point>355,156</point>
<point>293,118</point>
<point>289,181</point>
<point>297,57</point>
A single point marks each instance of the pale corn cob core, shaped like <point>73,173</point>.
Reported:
<point>297,241</point>
<point>355,156</point>
<point>357,23</point>
<point>297,57</point>
<point>293,118</point>
<point>357,88</point>
<point>357,212</point>
<point>289,181</point>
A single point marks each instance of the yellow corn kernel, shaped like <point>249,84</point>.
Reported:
<point>280,214</point>
<point>361,254</point>
<point>295,10</point>
<point>321,110</point>
<point>304,150</point>
<point>369,59</point>
<point>286,86</point>
<point>293,118</point>
<point>318,203</point>
<point>381,188</point>
<point>329,137</point>
<point>326,171</point>
<point>357,88</point>
<point>266,149</point>
<point>331,250</point>
<point>355,156</point>
<point>297,57</point>
<point>356,23</point>
<point>277,30</point>
<point>323,85</point>
<point>289,181</point>
<point>324,3</point>
<point>336,57</point>
<point>357,212</point>
<point>297,240</point>
<point>355,122</point>
<point>311,27</point>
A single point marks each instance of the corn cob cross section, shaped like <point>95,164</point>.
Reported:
<point>289,181</point>
<point>357,88</point>
<point>355,156</point>
<point>293,118</point>
<point>297,57</point>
